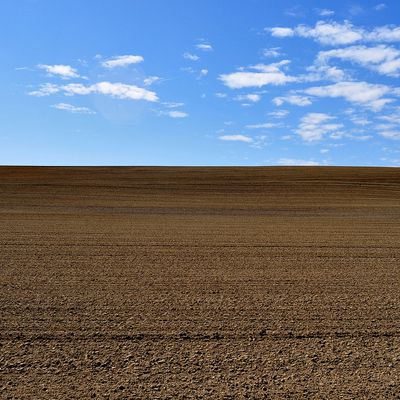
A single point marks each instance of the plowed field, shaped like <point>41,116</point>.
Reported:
<point>214,283</point>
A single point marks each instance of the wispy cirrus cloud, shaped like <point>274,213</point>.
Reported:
<point>204,47</point>
<point>122,61</point>
<point>279,113</point>
<point>390,134</point>
<point>296,12</point>
<point>191,57</point>
<point>177,114</point>
<point>73,109</point>
<point>359,120</point>
<point>172,112</point>
<point>324,12</point>
<point>292,99</point>
<point>390,128</point>
<point>265,125</point>
<point>172,104</point>
<point>272,52</point>
<point>236,138</point>
<point>380,7</point>
<point>150,80</point>
<point>393,118</point>
<point>252,97</point>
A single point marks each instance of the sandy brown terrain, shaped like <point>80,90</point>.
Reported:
<point>214,283</point>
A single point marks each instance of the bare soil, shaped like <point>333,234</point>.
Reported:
<point>214,283</point>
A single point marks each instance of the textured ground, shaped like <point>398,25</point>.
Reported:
<point>172,283</point>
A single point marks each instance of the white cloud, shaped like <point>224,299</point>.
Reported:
<point>281,32</point>
<point>189,70</point>
<point>390,134</point>
<point>360,121</point>
<point>390,129</point>
<point>279,113</point>
<point>380,7</point>
<point>122,61</point>
<point>78,88</point>
<point>325,72</point>
<point>362,93</point>
<point>191,57</point>
<point>117,90</point>
<point>259,142</point>
<point>324,12</point>
<point>221,95</point>
<point>392,118</point>
<point>63,71</point>
<point>269,67</point>
<point>170,104</point>
<point>45,89</point>
<point>239,80</point>
<point>203,73</point>
<point>266,75</point>
<point>292,99</point>
<point>272,52</point>
<point>296,12</point>
<point>384,34</point>
<point>266,125</point>
<point>175,114</point>
<point>331,33</point>
<point>150,80</point>
<point>236,138</point>
<point>361,137</point>
<point>314,126</point>
<point>390,68</point>
<point>334,33</point>
<point>292,162</point>
<point>73,109</point>
<point>204,47</point>
<point>253,97</point>
<point>383,59</point>
<point>385,127</point>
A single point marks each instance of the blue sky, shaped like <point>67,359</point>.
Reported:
<point>184,82</point>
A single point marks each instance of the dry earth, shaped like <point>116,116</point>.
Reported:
<point>215,283</point>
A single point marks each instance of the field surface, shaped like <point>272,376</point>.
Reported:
<point>207,283</point>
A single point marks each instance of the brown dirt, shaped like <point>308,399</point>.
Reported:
<point>173,283</point>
